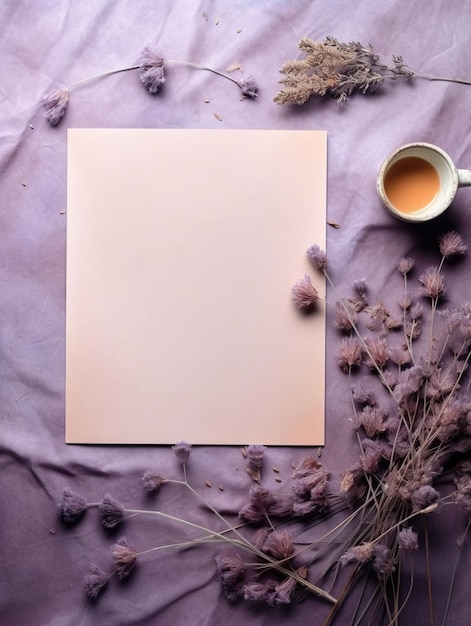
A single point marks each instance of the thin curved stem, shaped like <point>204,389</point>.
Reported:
<point>202,67</point>
<point>102,75</point>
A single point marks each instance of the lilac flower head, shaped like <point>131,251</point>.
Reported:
<point>360,288</point>
<point>151,481</point>
<point>111,512</point>
<point>451,244</point>
<point>95,580</point>
<point>71,506</point>
<point>423,497</point>
<point>345,315</point>
<point>378,351</point>
<point>433,282</point>
<point>405,265</point>
<point>408,539</point>
<point>231,570</point>
<point>349,353</point>
<point>363,394</point>
<point>372,419</point>
<point>261,500</point>
<point>249,87</point>
<point>304,294</point>
<point>124,558</point>
<point>285,591</point>
<point>383,559</point>
<point>55,104</point>
<point>261,591</point>
<point>279,544</point>
<point>182,451</point>
<point>255,454</point>
<point>151,71</point>
<point>317,257</point>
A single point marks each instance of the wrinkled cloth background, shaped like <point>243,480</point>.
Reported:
<point>53,43</point>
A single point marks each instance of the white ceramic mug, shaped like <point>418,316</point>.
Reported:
<point>418,182</point>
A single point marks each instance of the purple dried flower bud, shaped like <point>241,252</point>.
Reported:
<point>151,71</point>
<point>349,353</point>
<point>383,559</point>
<point>451,420</point>
<point>255,454</point>
<point>279,545</point>
<point>95,581</point>
<point>408,539</point>
<point>55,104</point>
<point>423,497</point>
<point>124,558</point>
<point>352,483</point>
<point>372,420</point>
<point>378,351</point>
<point>345,315</point>
<point>231,570</point>
<point>261,591</point>
<point>462,496</point>
<point>357,554</point>
<point>281,505</point>
<point>405,265</point>
<point>304,294</point>
<point>433,282</point>
<point>182,451</point>
<point>111,512</point>
<point>260,501</point>
<point>309,476</point>
<point>285,591</point>
<point>416,311</point>
<point>71,506</point>
<point>364,395</point>
<point>317,257</point>
<point>439,384</point>
<point>400,355</point>
<point>451,244</point>
<point>405,302</point>
<point>371,456</point>
<point>360,288</point>
<point>151,481</point>
<point>249,87</point>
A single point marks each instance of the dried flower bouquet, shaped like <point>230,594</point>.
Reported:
<point>359,534</point>
<point>338,69</point>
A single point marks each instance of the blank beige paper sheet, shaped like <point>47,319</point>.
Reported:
<point>182,248</point>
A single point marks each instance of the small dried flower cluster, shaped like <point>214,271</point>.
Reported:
<point>150,67</point>
<point>338,69</point>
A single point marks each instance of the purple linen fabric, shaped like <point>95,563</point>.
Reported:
<point>49,45</point>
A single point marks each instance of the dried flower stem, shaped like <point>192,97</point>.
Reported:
<point>239,541</point>
<point>205,68</point>
<point>102,75</point>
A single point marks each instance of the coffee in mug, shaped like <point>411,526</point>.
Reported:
<point>418,182</point>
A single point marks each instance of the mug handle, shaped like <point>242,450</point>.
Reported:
<point>464,178</point>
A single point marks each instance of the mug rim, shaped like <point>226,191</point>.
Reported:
<point>424,214</point>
